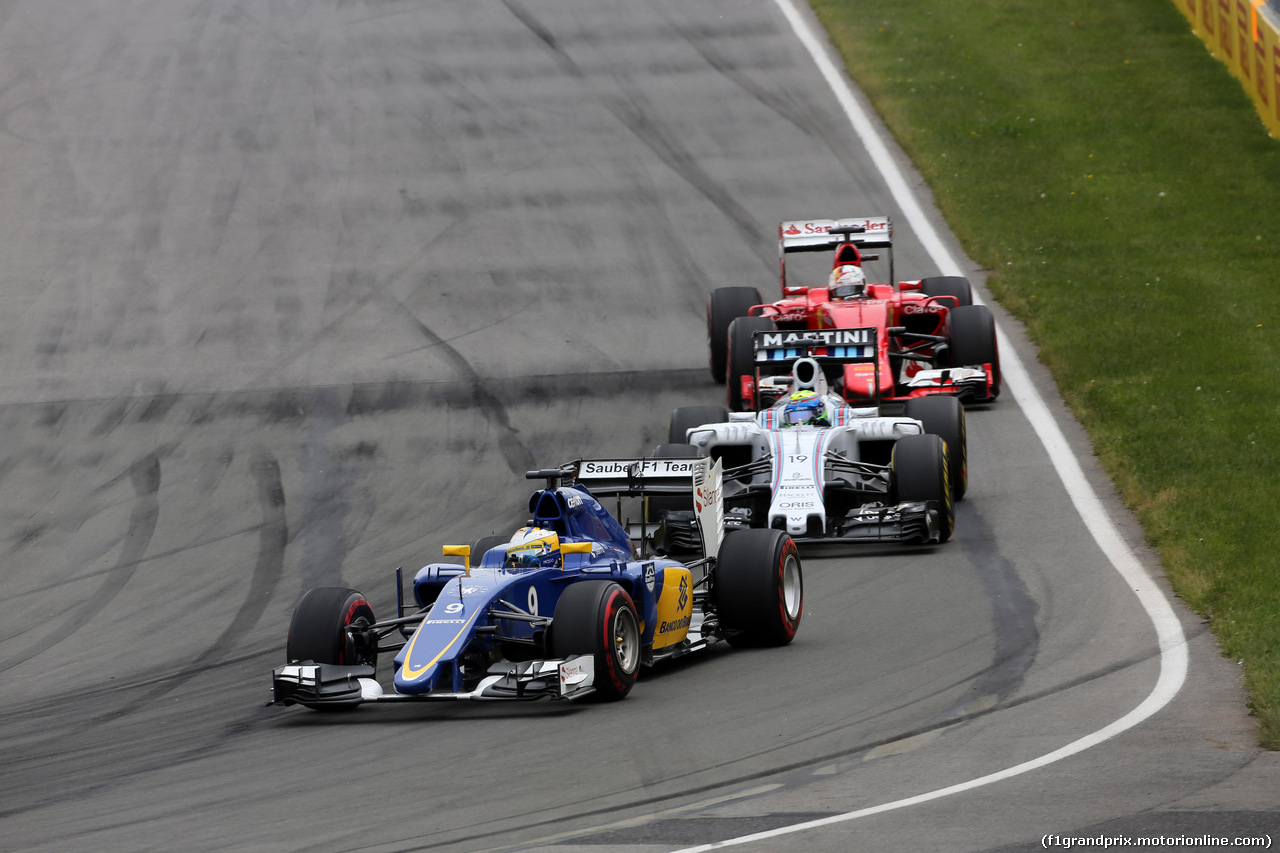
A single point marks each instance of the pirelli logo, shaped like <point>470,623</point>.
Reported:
<point>829,337</point>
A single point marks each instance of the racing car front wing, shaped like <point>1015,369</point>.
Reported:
<point>331,685</point>
<point>918,522</point>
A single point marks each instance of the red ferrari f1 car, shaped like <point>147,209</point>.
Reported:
<point>932,338</point>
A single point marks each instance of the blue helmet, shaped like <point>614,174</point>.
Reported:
<point>804,407</point>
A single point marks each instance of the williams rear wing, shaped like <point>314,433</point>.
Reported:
<point>701,478</point>
<point>780,349</point>
<point>787,361</point>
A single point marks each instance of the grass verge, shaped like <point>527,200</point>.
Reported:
<point>1116,182</point>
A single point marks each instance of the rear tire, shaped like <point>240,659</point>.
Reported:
<point>686,418</point>
<point>919,467</point>
<point>742,357</point>
<point>944,416</point>
<point>319,629</point>
<point>724,305</point>
<point>973,341</point>
<point>658,505</point>
<point>483,544</point>
<point>598,618</point>
<point>759,588</point>
<point>949,285</point>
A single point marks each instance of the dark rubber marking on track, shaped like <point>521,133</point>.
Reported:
<point>145,475</point>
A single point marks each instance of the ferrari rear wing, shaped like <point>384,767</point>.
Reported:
<point>816,235</point>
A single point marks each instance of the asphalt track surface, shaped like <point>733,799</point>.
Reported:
<point>294,293</point>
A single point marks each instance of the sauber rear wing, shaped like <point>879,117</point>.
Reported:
<point>816,235</point>
<point>639,477</point>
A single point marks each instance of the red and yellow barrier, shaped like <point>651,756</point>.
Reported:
<point>1245,35</point>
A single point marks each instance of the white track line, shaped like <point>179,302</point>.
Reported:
<point>1172,642</point>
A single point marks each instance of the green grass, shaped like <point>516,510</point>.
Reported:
<point>1117,183</point>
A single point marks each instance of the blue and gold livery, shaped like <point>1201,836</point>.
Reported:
<point>564,608</point>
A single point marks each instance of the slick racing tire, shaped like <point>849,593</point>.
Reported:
<point>323,626</point>
<point>944,416</point>
<point>742,357</point>
<point>598,618</point>
<point>759,588</point>
<point>658,505</point>
<point>973,341</point>
<point>686,418</point>
<point>724,305</point>
<point>949,285</point>
<point>920,473</point>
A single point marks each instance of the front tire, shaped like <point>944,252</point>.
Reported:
<point>949,285</point>
<point>973,341</point>
<point>944,416</point>
<point>598,618</point>
<point>327,627</point>
<point>920,473</point>
<point>724,305</point>
<point>742,357</point>
<point>759,588</point>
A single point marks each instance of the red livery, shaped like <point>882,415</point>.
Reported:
<point>932,339</point>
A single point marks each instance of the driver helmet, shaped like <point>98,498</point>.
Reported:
<point>847,282</point>
<point>532,548</point>
<point>804,407</point>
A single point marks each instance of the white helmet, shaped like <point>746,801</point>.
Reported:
<point>847,282</point>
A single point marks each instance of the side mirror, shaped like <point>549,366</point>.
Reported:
<point>463,551</point>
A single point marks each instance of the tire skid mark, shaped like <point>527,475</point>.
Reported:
<point>519,458</point>
<point>1014,613</point>
<point>273,536</point>
<point>636,114</point>
<point>145,475</point>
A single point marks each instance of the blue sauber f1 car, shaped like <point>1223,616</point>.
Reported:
<point>564,609</point>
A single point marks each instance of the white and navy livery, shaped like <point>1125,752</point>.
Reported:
<point>563,609</point>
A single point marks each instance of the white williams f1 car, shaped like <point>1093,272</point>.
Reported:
<point>811,465</point>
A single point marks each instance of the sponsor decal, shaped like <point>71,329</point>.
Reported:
<point>675,624</point>
<point>470,590</point>
<point>797,505</point>
<point>684,594</point>
<point>830,337</point>
<point>790,316</point>
<point>573,501</point>
<point>445,621</point>
<point>643,467</point>
<point>823,226</point>
<point>650,575</point>
<point>533,601</point>
<point>701,498</point>
<point>910,308</point>
<point>570,671</point>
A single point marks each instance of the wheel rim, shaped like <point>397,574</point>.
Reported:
<point>792,591</point>
<point>626,639</point>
